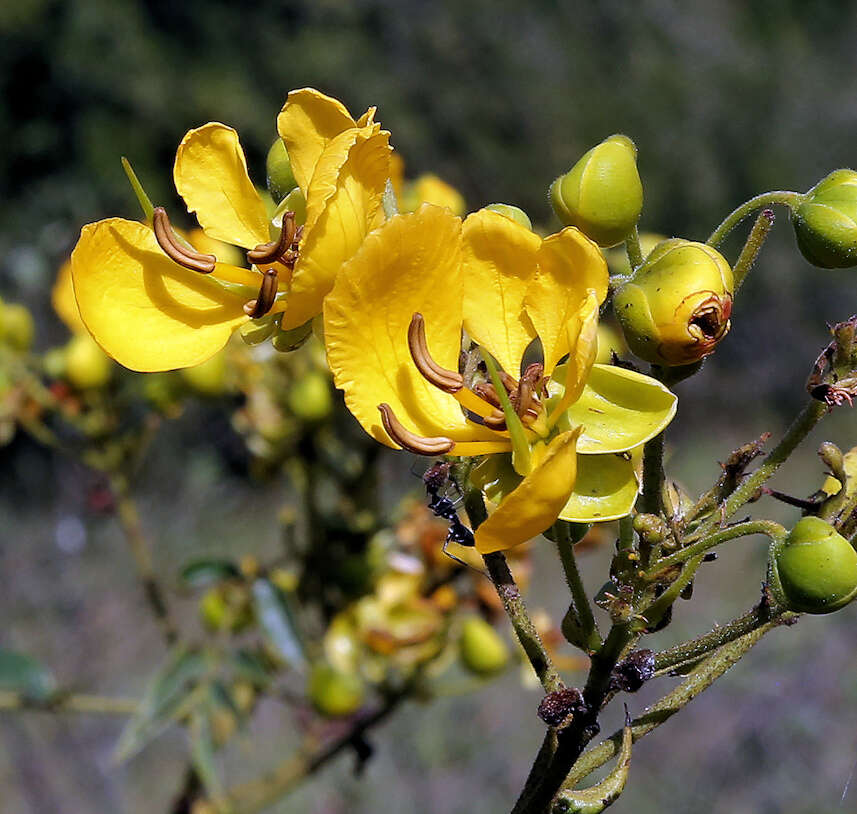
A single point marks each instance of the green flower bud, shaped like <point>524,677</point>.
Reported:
<point>825,221</point>
<point>602,194</point>
<point>513,213</point>
<point>814,569</point>
<point>334,693</point>
<point>482,649</point>
<point>281,179</point>
<point>16,326</point>
<point>208,378</point>
<point>310,397</point>
<point>86,365</point>
<point>676,307</point>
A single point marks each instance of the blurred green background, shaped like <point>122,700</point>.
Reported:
<point>724,100</point>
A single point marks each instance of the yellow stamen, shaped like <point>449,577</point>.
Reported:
<point>410,441</point>
<point>190,259</point>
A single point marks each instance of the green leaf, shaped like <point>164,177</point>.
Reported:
<point>172,692</point>
<point>23,674</point>
<point>253,667</point>
<point>202,752</point>
<point>278,623</point>
<point>201,573</point>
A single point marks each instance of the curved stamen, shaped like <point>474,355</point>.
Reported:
<point>190,259</point>
<point>410,441</point>
<point>450,381</point>
<point>267,295</point>
<point>273,251</point>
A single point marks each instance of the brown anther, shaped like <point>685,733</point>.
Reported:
<point>510,383</point>
<point>486,391</point>
<point>450,381</point>
<point>267,295</point>
<point>535,374</point>
<point>496,421</point>
<point>410,441</point>
<point>276,249</point>
<point>190,259</point>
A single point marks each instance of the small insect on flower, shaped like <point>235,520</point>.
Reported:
<point>434,479</point>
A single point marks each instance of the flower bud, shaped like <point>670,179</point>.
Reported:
<point>16,326</point>
<point>676,307</point>
<point>334,693</point>
<point>209,378</point>
<point>825,221</point>
<point>814,570</point>
<point>513,213</point>
<point>482,650</point>
<point>602,194</point>
<point>86,365</point>
<point>281,179</point>
<point>310,397</point>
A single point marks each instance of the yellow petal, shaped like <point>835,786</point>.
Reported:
<point>211,175</point>
<point>224,252</point>
<point>399,270</point>
<point>536,503</point>
<point>606,489</point>
<point>352,211</point>
<point>499,263</point>
<point>144,310</point>
<point>582,339</point>
<point>63,301</point>
<point>308,121</point>
<point>570,265</point>
<point>619,410</point>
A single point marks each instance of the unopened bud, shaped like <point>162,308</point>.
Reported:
<point>334,693</point>
<point>86,365</point>
<point>650,527</point>
<point>602,194</point>
<point>676,307</point>
<point>482,649</point>
<point>814,570</point>
<point>513,213</point>
<point>16,326</point>
<point>281,179</point>
<point>825,221</point>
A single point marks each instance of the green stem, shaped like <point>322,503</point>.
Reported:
<point>653,475</point>
<point>654,613</point>
<point>632,247</point>
<point>752,247</point>
<point>806,420</point>
<point>689,652</point>
<point>129,519</point>
<point>579,597</point>
<point>626,533</point>
<point>698,680</point>
<point>70,702</point>
<point>513,602</point>
<point>768,527</point>
<point>734,218</point>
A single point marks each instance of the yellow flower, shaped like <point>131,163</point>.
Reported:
<point>155,303</point>
<point>393,330</point>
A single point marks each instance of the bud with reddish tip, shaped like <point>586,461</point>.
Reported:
<point>676,307</point>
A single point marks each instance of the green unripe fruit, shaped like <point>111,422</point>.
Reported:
<point>86,365</point>
<point>676,307</point>
<point>602,194</point>
<point>334,693</point>
<point>310,398</point>
<point>482,649</point>
<point>825,221</point>
<point>814,570</point>
<point>513,213</point>
<point>281,179</point>
<point>16,326</point>
<point>208,378</point>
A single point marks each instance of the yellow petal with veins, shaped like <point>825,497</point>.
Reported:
<point>63,301</point>
<point>210,173</point>
<point>145,311</point>
<point>499,263</point>
<point>308,122</point>
<point>352,209</point>
<point>537,501</point>
<point>412,263</point>
<point>570,265</point>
